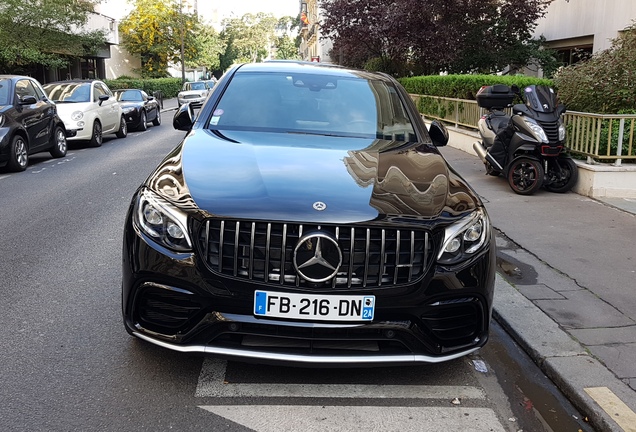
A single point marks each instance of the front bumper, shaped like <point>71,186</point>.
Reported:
<point>195,102</point>
<point>174,301</point>
<point>264,356</point>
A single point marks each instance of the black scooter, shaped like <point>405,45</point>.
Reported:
<point>527,147</point>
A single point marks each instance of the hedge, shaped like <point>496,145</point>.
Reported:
<point>464,86</point>
<point>169,87</point>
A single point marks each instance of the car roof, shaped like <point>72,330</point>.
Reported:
<point>297,66</point>
<point>8,76</point>
<point>74,81</point>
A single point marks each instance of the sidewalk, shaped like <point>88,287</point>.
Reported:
<point>169,104</point>
<point>566,288</point>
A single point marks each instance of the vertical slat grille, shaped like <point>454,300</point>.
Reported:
<point>551,130</point>
<point>264,252</point>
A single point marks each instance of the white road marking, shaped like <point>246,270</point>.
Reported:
<point>280,418</point>
<point>211,384</point>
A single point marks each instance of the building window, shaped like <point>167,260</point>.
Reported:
<point>568,56</point>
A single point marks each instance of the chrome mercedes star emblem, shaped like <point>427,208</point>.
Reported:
<point>317,257</point>
<point>320,206</point>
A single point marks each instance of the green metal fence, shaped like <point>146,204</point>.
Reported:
<point>600,137</point>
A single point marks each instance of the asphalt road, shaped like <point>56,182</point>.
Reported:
<point>66,363</point>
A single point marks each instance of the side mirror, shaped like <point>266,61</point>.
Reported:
<point>561,110</point>
<point>183,118</point>
<point>438,133</point>
<point>28,100</point>
<point>103,98</point>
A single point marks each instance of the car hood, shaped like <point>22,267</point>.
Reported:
<point>193,92</point>
<point>65,109</point>
<point>272,176</point>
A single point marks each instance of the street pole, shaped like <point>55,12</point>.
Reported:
<point>182,42</point>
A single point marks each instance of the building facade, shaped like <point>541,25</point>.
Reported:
<point>576,28</point>
<point>312,46</point>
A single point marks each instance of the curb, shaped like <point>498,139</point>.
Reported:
<point>560,357</point>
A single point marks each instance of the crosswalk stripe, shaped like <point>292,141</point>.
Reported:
<point>281,418</point>
<point>211,384</point>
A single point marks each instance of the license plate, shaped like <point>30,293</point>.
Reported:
<point>314,307</point>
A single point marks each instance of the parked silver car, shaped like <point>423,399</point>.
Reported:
<point>194,92</point>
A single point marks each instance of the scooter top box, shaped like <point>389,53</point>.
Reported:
<point>495,96</point>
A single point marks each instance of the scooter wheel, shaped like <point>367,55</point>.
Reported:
<point>563,179</point>
<point>525,176</point>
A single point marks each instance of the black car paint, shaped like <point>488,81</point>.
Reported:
<point>149,105</point>
<point>236,174</point>
<point>35,119</point>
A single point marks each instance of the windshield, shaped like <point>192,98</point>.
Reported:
<point>313,104</point>
<point>540,98</point>
<point>5,86</point>
<point>69,92</point>
<point>195,86</point>
<point>128,96</point>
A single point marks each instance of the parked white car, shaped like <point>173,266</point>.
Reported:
<point>89,108</point>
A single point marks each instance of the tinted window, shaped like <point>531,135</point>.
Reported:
<point>99,90</point>
<point>5,90</point>
<point>25,88</point>
<point>68,92</point>
<point>38,90</point>
<point>334,105</point>
<point>129,95</point>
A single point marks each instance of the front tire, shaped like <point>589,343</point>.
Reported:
<point>18,154</point>
<point>525,176</point>
<point>143,122</point>
<point>123,128</point>
<point>562,175</point>
<point>59,147</point>
<point>96,138</point>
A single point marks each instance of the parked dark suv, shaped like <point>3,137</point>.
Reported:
<point>308,217</point>
<point>28,122</point>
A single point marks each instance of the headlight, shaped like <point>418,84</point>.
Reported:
<point>127,110</point>
<point>465,238</point>
<point>537,130</point>
<point>77,115</point>
<point>561,132</point>
<point>180,95</point>
<point>162,221</point>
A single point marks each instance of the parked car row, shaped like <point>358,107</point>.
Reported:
<point>36,118</point>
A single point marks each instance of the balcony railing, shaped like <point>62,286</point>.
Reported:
<point>602,137</point>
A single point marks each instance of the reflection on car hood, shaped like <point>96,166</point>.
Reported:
<point>65,110</point>
<point>282,176</point>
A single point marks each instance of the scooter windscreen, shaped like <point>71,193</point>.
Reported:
<point>540,98</point>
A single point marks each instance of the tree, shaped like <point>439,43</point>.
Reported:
<point>286,44</point>
<point>430,36</point>
<point>45,32</point>
<point>249,38</point>
<point>209,47</point>
<point>155,30</point>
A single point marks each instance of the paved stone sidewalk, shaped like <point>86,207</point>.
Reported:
<point>566,286</point>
